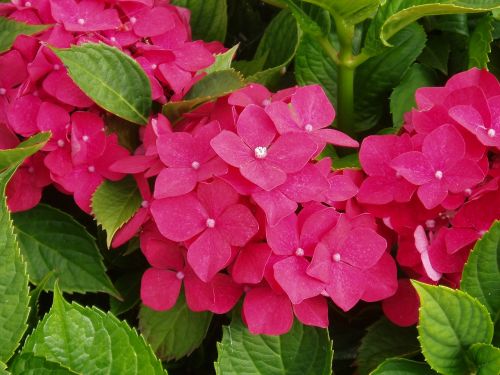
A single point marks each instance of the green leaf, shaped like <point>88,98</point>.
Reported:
<point>385,340</point>
<point>486,358</point>
<point>29,364</point>
<point>208,18</point>
<point>129,285</point>
<point>403,96</point>
<point>480,43</point>
<point>114,203</point>
<point>11,29</point>
<point>481,275</point>
<point>174,333</point>
<point>209,88</point>
<point>436,53</point>
<point>112,79</point>
<point>223,60</point>
<point>350,11</point>
<point>306,23</point>
<point>376,78</point>
<point>453,23</point>
<point>14,301</point>
<point>9,157</point>
<point>89,341</point>
<point>395,15</point>
<point>449,322</point>
<point>348,161</point>
<point>305,350</point>
<point>52,240</point>
<point>34,298</point>
<point>398,366</point>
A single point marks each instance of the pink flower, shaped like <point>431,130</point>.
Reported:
<point>402,307</point>
<point>261,157</point>
<point>86,15</point>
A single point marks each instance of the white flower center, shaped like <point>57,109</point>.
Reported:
<point>180,275</point>
<point>133,19</point>
<point>438,175</point>
<point>56,67</point>
<point>210,223</point>
<point>27,4</point>
<point>154,66</point>
<point>91,169</point>
<point>430,224</point>
<point>60,143</point>
<point>85,138</point>
<point>468,191</point>
<point>308,128</point>
<point>195,165</point>
<point>2,91</point>
<point>81,21</point>
<point>144,204</point>
<point>336,257</point>
<point>260,152</point>
<point>491,133</point>
<point>113,39</point>
<point>299,252</point>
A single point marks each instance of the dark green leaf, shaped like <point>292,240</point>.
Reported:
<point>480,43</point>
<point>29,364</point>
<point>350,11</point>
<point>11,29</point>
<point>128,285</point>
<point>436,53</point>
<point>112,79</point>
<point>9,157</point>
<point>398,366</point>
<point>486,358</point>
<point>306,23</point>
<point>348,161</point>
<point>453,23</point>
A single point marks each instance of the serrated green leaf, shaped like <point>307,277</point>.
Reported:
<point>402,99</point>
<point>34,297</point>
<point>209,88</point>
<point>436,53</point>
<point>29,364</point>
<point>52,240</point>
<point>208,18</point>
<point>385,340</point>
<point>305,350</point>
<point>350,11</point>
<point>398,366</point>
<point>376,78</point>
<point>114,203</point>
<point>9,157</point>
<point>480,43</point>
<point>395,15</point>
<point>481,275</point>
<point>129,286</point>
<point>223,61</point>
<point>112,79</point>
<point>486,359</point>
<point>90,341</point>
<point>14,298</point>
<point>306,23</point>
<point>11,29</point>
<point>174,333</point>
<point>450,321</point>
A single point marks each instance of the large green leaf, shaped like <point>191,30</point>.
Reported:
<point>11,29</point>
<point>376,78</point>
<point>14,298</point>
<point>399,366</point>
<point>395,15</point>
<point>129,286</point>
<point>481,275</point>
<point>480,43</point>
<point>174,333</point>
<point>350,11</point>
<point>9,157</point>
<point>304,350</point>
<point>436,53</point>
<point>29,364</point>
<point>403,96</point>
<point>450,321</point>
<point>486,359</point>
<point>208,18</point>
<point>89,341</point>
<point>385,340</point>
<point>52,241</point>
<point>112,79</point>
<point>114,203</point>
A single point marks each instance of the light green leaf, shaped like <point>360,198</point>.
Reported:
<point>9,157</point>
<point>305,350</point>
<point>486,358</point>
<point>403,96</point>
<point>34,297</point>
<point>395,15</point>
<point>89,341</point>
<point>480,43</point>
<point>376,78</point>
<point>114,203</point>
<point>450,321</point>
<point>306,23</point>
<point>129,286</point>
<point>174,333</point>
<point>29,364</point>
<point>223,60</point>
<point>11,29</point>
<point>52,240</point>
<point>112,79</point>
<point>481,275</point>
<point>350,11</point>
<point>398,366</point>
<point>385,340</point>
<point>436,53</point>
<point>14,298</point>
<point>208,18</point>
<point>209,88</point>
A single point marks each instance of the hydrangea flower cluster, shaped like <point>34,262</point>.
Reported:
<point>36,93</point>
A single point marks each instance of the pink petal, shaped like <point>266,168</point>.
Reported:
<point>402,307</point>
<point>283,119</point>
<point>463,175</point>
<point>251,94</point>
<point>292,151</point>
<point>375,190</point>
<point>177,78</point>
<point>216,197</point>
<point>458,238</point>
<point>172,182</point>
<point>232,149</point>
<point>159,289</point>
<point>193,56</point>
<point>362,248</point>
<point>316,226</point>
<point>133,164</point>
<point>377,151</point>
<point>22,115</point>
<point>321,263</point>
<point>414,166</point>
<point>313,106</point>
<point>155,21</point>
<point>255,127</point>
<point>130,228</point>
<point>88,139</point>
<point>21,193</point>
<point>443,147</point>
<point>336,138</point>
<point>178,149</point>
<point>306,185</point>
<point>382,280</point>
<point>283,238</point>
<point>341,188</point>
<point>275,205</point>
<point>432,194</point>
<point>160,252</point>
<point>346,286</point>
<point>59,85</point>
<point>251,262</point>
<point>312,312</point>
<point>179,218</point>
<point>237,225</point>
<point>263,173</point>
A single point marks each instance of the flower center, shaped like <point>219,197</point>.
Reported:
<point>438,175</point>
<point>60,143</point>
<point>56,67</point>
<point>133,19</point>
<point>91,169</point>
<point>468,191</point>
<point>113,39</point>
<point>299,252</point>
<point>180,275</point>
<point>27,4</point>
<point>154,66</point>
<point>260,152</point>
<point>308,128</point>
<point>210,223</point>
<point>85,138</point>
<point>491,133</point>
<point>81,21</point>
<point>144,204</point>
<point>2,91</point>
<point>195,165</point>
<point>336,257</point>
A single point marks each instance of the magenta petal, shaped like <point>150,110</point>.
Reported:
<point>292,151</point>
<point>341,188</point>
<point>263,174</point>
<point>237,225</point>
<point>432,194</point>
<point>159,289</point>
<point>251,94</point>
<point>281,115</point>
<point>290,273</point>
<point>402,307</point>
<point>463,175</point>
<point>321,263</point>
<point>346,285</point>
<point>443,147</point>
<point>312,312</point>
<point>275,205</point>
<point>179,218</point>
<point>250,265</point>
<point>208,254</point>
<point>22,115</point>
<point>255,127</point>
<point>88,139</point>
<point>375,190</point>
<point>172,182</point>
<point>155,21</point>
<point>313,106</point>
<point>130,228</point>
<point>362,248</point>
<point>133,164</point>
<point>178,149</point>
<point>177,78</point>
<point>458,238</point>
<point>231,149</point>
<point>216,197</point>
<point>283,238</point>
<point>193,56</point>
<point>266,312</point>
<point>307,185</point>
<point>414,166</point>
<point>382,280</point>
<point>336,138</point>
<point>315,226</point>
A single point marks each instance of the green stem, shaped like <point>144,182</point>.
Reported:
<point>275,3</point>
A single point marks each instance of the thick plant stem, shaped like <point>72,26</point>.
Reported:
<point>345,99</point>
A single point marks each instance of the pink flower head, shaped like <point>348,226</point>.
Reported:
<point>251,94</point>
<point>215,215</point>
<point>402,307</point>
<point>440,167</point>
<point>86,15</point>
<point>55,119</point>
<point>263,158</point>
